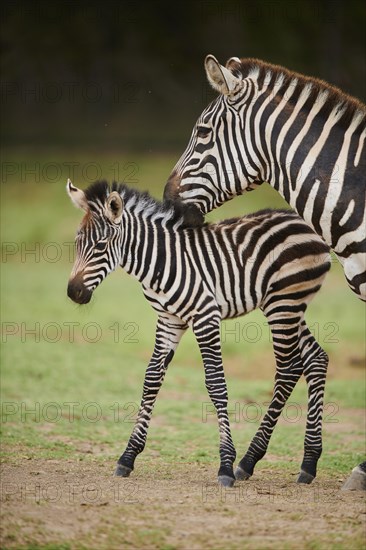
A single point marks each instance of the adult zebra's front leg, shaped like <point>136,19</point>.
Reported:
<point>169,331</point>
<point>207,332</point>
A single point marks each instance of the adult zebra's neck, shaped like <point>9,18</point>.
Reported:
<point>306,136</point>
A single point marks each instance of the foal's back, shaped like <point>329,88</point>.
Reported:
<point>249,259</point>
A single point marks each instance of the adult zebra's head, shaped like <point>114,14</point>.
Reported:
<point>98,240</point>
<point>215,166</point>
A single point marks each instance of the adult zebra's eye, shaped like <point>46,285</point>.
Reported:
<point>101,245</point>
<point>203,131</point>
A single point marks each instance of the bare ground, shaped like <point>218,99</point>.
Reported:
<point>79,504</point>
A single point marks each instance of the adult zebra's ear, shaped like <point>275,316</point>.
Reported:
<point>77,196</point>
<point>114,207</point>
<point>220,78</point>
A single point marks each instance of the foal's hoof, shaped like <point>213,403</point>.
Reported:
<point>122,471</point>
<point>241,475</point>
<point>304,477</point>
<point>226,481</point>
<point>356,481</point>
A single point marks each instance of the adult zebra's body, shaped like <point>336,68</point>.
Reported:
<point>301,135</point>
<point>196,276</point>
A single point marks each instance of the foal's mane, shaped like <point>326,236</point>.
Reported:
<point>171,211</point>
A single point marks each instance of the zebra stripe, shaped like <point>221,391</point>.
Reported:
<point>299,134</point>
<point>196,276</point>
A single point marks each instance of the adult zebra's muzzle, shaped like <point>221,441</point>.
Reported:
<point>192,214</point>
<point>171,190</point>
<point>78,292</point>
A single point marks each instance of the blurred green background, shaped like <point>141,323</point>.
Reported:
<point>112,90</point>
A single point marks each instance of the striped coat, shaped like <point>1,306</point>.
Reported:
<point>196,276</point>
<point>299,134</point>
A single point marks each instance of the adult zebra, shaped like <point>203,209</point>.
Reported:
<point>299,134</point>
<point>196,276</point>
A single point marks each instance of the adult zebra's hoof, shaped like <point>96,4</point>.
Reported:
<point>356,481</point>
<point>226,481</point>
<point>304,477</point>
<point>241,475</point>
<point>122,471</point>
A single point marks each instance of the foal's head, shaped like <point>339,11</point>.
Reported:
<point>98,239</point>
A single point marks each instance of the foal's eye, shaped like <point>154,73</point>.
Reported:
<point>203,131</point>
<point>101,245</point>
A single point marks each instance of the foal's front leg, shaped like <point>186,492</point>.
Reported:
<point>208,337</point>
<point>169,331</point>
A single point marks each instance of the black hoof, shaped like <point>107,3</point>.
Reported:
<point>356,481</point>
<point>122,471</point>
<point>226,481</point>
<point>241,475</point>
<point>304,477</point>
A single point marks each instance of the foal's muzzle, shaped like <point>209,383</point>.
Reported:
<point>78,292</point>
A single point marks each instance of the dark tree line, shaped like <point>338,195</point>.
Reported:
<point>130,74</point>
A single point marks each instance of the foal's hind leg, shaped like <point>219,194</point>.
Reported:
<point>315,362</point>
<point>285,332</point>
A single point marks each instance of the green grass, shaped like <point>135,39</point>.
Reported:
<point>47,371</point>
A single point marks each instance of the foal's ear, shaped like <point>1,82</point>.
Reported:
<point>77,196</point>
<point>220,78</point>
<point>114,207</point>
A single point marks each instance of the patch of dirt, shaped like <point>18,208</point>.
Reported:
<point>172,506</point>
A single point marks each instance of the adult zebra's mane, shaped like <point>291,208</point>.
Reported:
<point>171,212</point>
<point>269,73</point>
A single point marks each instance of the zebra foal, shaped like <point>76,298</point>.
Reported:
<point>195,277</point>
